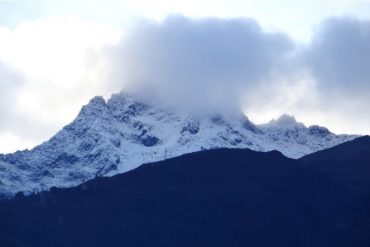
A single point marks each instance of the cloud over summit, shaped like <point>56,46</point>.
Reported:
<point>228,63</point>
<point>201,61</point>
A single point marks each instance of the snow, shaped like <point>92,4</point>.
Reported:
<point>113,137</point>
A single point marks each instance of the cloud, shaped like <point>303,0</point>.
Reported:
<point>46,74</point>
<point>339,56</point>
<point>17,128</point>
<point>10,80</point>
<point>13,133</point>
<point>199,61</point>
<point>228,63</point>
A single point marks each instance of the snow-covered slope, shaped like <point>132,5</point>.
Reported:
<point>113,137</point>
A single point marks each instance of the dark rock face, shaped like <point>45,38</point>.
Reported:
<point>149,141</point>
<point>136,109</point>
<point>192,127</point>
<point>252,127</point>
<point>64,159</point>
<point>318,131</point>
<point>220,198</point>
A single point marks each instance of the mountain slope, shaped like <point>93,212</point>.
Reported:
<point>222,197</point>
<point>112,137</point>
<point>358,149</point>
<point>348,165</point>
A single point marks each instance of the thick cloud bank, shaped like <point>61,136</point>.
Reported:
<point>205,62</point>
<point>339,56</point>
<point>228,63</point>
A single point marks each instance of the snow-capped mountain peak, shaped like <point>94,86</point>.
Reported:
<point>117,135</point>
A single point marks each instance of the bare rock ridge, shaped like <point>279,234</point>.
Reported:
<point>112,137</point>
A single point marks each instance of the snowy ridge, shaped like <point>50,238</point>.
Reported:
<point>116,136</point>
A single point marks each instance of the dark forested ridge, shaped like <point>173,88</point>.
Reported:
<point>224,197</point>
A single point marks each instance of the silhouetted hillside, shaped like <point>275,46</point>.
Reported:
<point>225,197</point>
<point>357,150</point>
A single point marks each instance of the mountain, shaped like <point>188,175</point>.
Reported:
<point>348,152</point>
<point>220,197</point>
<point>108,138</point>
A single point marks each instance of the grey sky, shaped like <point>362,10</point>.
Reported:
<point>339,55</point>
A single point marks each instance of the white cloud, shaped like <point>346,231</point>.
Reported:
<point>11,142</point>
<point>51,55</point>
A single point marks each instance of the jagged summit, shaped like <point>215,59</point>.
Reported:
<point>117,135</point>
<point>97,100</point>
<point>95,106</point>
<point>284,121</point>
